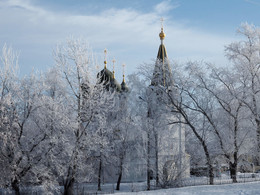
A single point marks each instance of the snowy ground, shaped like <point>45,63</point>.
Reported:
<point>227,189</point>
<point>194,186</point>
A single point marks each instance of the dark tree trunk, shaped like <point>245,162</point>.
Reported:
<point>257,121</point>
<point>201,140</point>
<point>15,186</point>
<point>70,179</point>
<point>68,187</point>
<point>258,142</point>
<point>233,168</point>
<point>209,164</point>
<point>206,152</point>
<point>233,171</point>
<point>99,174</point>
<point>156,160</point>
<point>211,174</point>
<point>148,163</point>
<point>120,175</point>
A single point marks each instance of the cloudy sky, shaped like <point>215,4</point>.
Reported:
<point>195,29</point>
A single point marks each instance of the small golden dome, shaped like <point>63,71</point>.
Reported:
<point>105,62</point>
<point>162,34</point>
<point>123,78</point>
<point>105,57</point>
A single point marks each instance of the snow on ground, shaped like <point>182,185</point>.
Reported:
<point>227,189</point>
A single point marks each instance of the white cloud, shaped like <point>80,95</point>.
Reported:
<point>253,2</point>
<point>165,6</point>
<point>129,35</point>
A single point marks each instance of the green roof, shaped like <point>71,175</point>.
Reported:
<point>105,76</point>
<point>124,87</point>
<point>162,54</point>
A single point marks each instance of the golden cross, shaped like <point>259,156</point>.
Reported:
<point>162,22</point>
<point>123,69</point>
<point>105,52</point>
<point>113,64</point>
<point>105,58</point>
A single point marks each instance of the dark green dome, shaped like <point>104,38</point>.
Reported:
<point>105,76</point>
<point>124,87</point>
<point>162,54</point>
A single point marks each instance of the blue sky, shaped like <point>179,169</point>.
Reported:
<point>195,29</point>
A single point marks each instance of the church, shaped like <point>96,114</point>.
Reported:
<point>164,158</point>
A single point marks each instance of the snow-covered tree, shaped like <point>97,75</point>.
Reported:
<point>245,55</point>
<point>8,116</point>
<point>164,140</point>
<point>179,101</point>
<point>89,103</point>
<point>211,94</point>
<point>226,92</point>
<point>23,142</point>
<point>139,103</point>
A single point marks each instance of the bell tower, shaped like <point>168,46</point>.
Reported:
<point>162,72</point>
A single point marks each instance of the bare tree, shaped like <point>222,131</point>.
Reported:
<point>245,56</point>
<point>217,97</point>
<point>8,124</point>
<point>191,120</point>
<point>23,141</point>
<point>139,104</point>
<point>90,103</point>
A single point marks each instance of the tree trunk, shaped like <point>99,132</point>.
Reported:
<point>211,174</point>
<point>233,171</point>
<point>233,168</point>
<point>210,167</point>
<point>68,187</point>
<point>99,174</point>
<point>156,160</point>
<point>201,140</point>
<point>258,142</point>
<point>148,162</point>
<point>15,186</point>
<point>257,121</point>
<point>206,152</point>
<point>120,175</point>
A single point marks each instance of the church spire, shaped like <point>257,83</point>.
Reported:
<point>105,58</point>
<point>162,34</point>
<point>124,87</point>
<point>162,54</point>
<point>123,65</point>
<point>162,72</point>
<point>113,67</point>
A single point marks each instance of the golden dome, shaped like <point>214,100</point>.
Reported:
<point>105,57</point>
<point>105,62</point>
<point>162,34</point>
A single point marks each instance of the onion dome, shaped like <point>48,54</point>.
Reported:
<point>107,78</point>
<point>162,34</point>
<point>124,87</point>
<point>114,84</point>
